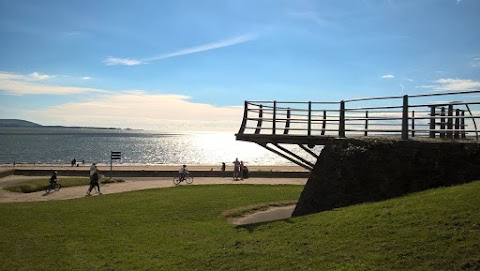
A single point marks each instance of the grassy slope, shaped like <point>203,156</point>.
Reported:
<point>182,229</point>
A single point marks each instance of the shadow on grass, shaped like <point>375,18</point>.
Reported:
<point>252,227</point>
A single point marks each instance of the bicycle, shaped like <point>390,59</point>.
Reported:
<point>187,178</point>
<point>54,186</point>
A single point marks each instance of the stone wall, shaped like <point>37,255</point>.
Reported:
<point>355,171</point>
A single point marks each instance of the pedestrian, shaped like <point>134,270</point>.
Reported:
<point>236,168</point>
<point>242,168</point>
<point>223,169</point>
<point>94,177</point>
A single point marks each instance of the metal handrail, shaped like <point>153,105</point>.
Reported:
<point>444,118</point>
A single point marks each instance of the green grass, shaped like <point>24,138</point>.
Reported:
<point>34,185</point>
<point>183,228</point>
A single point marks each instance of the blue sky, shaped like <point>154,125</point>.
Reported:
<point>189,65</point>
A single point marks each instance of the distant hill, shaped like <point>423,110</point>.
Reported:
<point>17,123</point>
<point>13,123</point>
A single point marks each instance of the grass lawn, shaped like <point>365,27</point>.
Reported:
<point>183,228</point>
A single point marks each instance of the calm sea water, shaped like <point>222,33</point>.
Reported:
<point>61,145</point>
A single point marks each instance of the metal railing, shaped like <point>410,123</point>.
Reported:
<point>438,115</point>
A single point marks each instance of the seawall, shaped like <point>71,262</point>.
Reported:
<point>74,171</point>
<point>351,171</point>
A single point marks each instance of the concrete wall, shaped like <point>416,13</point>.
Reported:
<point>355,171</point>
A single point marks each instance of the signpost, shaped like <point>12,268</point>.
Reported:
<point>115,155</point>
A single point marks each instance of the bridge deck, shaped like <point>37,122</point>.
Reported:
<point>285,139</point>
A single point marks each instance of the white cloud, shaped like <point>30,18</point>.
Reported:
<point>475,62</point>
<point>197,49</point>
<point>121,61</point>
<point>38,76</point>
<point>137,109</point>
<point>449,84</point>
<point>87,78</point>
<point>387,76</point>
<point>19,84</point>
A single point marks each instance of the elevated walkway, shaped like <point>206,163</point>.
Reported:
<point>294,130</point>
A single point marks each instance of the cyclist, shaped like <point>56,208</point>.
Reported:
<point>182,173</point>
<point>53,180</point>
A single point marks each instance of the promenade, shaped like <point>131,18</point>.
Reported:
<point>133,183</point>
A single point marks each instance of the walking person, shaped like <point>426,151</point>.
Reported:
<point>94,177</point>
<point>236,168</point>
<point>242,168</point>
<point>223,169</point>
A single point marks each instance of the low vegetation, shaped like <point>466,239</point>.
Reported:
<point>40,184</point>
<point>183,228</point>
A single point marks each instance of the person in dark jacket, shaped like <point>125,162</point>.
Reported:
<point>94,177</point>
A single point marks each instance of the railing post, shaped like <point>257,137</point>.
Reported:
<point>287,123</point>
<point>456,134</point>
<point>341,125</point>
<point>450,121</point>
<point>442,122</point>
<point>260,119</point>
<point>245,116</point>
<point>405,118</point>
<point>432,121</point>
<point>462,125</point>
<point>274,124</point>
<point>365,133</point>
<point>309,118</point>
<point>324,124</point>
<point>413,123</point>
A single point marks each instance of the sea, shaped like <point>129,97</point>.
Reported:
<point>59,146</point>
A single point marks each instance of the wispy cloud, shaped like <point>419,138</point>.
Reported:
<point>449,84</point>
<point>187,51</point>
<point>19,84</point>
<point>86,78</point>
<point>311,16</point>
<point>388,76</point>
<point>121,61</point>
<point>475,62</point>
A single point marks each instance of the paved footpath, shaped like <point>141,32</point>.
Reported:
<point>130,184</point>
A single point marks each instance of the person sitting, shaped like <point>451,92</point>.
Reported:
<point>182,173</point>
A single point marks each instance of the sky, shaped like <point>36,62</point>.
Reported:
<point>189,65</point>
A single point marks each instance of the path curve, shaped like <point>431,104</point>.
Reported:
<point>130,184</point>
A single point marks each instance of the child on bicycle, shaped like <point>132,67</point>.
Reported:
<point>182,173</point>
